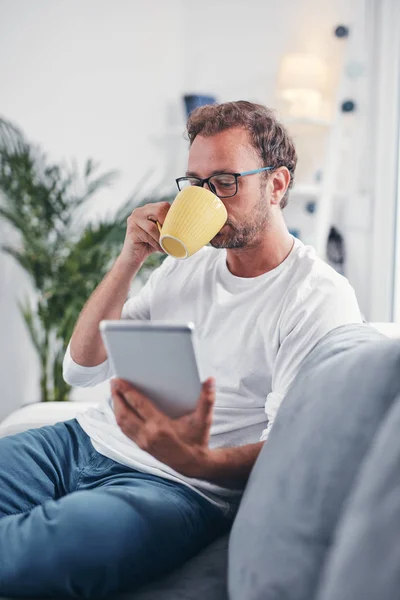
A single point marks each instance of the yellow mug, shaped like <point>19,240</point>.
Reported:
<point>195,217</point>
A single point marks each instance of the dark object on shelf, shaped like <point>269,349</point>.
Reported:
<point>335,250</point>
<point>341,31</point>
<point>193,101</point>
<point>348,106</point>
<point>311,207</point>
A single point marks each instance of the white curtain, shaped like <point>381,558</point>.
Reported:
<point>383,46</point>
<point>397,258</point>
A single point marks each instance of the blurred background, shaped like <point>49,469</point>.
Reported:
<point>112,83</point>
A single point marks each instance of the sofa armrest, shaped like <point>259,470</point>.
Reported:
<point>391,330</point>
<point>36,415</point>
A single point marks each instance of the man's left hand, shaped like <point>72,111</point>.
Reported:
<point>180,443</point>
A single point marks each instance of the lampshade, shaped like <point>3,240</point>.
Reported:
<point>302,82</point>
<point>303,71</point>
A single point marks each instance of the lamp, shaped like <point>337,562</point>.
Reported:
<point>302,81</point>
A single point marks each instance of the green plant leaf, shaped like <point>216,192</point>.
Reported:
<point>65,258</point>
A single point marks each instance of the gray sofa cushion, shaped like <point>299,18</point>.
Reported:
<point>204,577</point>
<point>364,561</point>
<point>304,473</point>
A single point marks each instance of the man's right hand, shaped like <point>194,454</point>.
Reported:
<point>142,235</point>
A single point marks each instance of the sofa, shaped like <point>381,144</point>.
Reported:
<point>320,516</point>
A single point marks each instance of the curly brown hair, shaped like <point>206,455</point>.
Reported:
<point>269,138</point>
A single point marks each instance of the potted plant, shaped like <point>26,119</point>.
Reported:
<point>65,260</point>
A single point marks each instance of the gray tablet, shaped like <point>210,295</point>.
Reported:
<point>160,359</point>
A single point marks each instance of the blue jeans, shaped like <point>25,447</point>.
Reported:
<point>74,523</point>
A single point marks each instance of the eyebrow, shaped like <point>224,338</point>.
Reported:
<point>217,172</point>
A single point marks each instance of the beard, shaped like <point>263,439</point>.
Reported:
<point>247,233</point>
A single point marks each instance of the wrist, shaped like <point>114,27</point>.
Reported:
<point>198,463</point>
<point>129,264</point>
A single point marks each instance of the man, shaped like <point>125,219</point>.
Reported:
<point>121,494</point>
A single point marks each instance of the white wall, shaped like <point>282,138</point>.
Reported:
<point>84,79</point>
<point>104,79</point>
<point>92,78</point>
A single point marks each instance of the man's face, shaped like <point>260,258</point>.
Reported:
<point>248,211</point>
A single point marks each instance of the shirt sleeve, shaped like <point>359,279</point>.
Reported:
<point>314,311</point>
<point>137,307</point>
<point>80,376</point>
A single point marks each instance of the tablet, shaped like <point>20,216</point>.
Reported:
<point>160,359</point>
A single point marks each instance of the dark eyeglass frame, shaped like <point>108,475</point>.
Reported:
<point>211,185</point>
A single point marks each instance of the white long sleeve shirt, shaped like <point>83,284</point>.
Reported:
<point>256,332</point>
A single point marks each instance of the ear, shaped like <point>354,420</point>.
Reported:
<point>278,183</point>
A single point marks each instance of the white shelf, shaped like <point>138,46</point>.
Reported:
<point>306,189</point>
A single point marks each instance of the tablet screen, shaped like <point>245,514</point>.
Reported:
<point>160,359</point>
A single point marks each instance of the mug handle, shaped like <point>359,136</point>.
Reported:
<point>157,223</point>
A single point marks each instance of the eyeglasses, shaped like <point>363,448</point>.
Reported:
<point>223,185</point>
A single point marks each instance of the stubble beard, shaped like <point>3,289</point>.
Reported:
<point>245,234</point>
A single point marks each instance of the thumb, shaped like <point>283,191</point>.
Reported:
<point>207,398</point>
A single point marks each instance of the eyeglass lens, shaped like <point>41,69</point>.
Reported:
<point>223,184</point>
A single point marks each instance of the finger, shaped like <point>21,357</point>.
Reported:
<point>127,420</point>
<point>142,405</point>
<point>207,399</point>
<point>149,226</point>
<point>157,211</point>
<point>156,228</point>
<point>147,238</point>
<point>157,223</point>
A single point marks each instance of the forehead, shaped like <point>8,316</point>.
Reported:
<point>228,150</point>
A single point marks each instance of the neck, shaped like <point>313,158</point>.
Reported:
<point>265,254</point>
